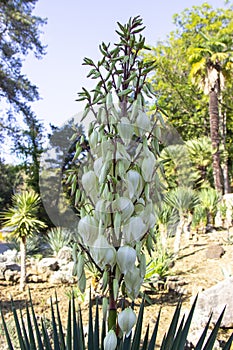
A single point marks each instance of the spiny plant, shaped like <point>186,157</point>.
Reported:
<point>21,217</point>
<point>33,332</point>
<point>58,237</point>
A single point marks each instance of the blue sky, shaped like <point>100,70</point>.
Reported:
<point>74,31</point>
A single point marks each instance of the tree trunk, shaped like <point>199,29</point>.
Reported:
<point>214,134</point>
<point>23,263</point>
<point>223,133</point>
<point>179,231</point>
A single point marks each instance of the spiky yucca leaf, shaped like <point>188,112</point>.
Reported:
<point>33,334</point>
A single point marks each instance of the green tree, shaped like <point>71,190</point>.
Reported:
<point>19,36</point>
<point>183,102</point>
<point>29,147</point>
<point>11,178</point>
<point>21,217</point>
<point>211,63</point>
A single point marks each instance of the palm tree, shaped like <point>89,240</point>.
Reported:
<point>210,67</point>
<point>200,154</point>
<point>21,218</point>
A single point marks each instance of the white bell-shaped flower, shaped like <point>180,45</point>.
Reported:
<point>135,183</point>
<point>110,341</point>
<point>125,206</point>
<point>126,320</point>
<point>88,229</point>
<point>126,130</point>
<point>148,165</point>
<point>134,230</point>
<point>89,182</point>
<point>103,253</point>
<point>133,282</point>
<point>143,123</point>
<point>126,257</point>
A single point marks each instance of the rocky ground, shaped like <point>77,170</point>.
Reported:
<point>195,270</point>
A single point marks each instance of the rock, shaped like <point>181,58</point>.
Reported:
<point>64,255</point>
<point>214,300</point>
<point>214,251</point>
<point>55,266</point>
<point>12,275</point>
<point>13,267</point>
<point>175,284</point>
<point>61,277</point>
<point>11,255</point>
<point>195,334</point>
<point>2,258</point>
<point>34,278</point>
<point>48,264</point>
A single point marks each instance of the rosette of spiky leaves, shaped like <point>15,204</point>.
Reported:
<point>34,334</point>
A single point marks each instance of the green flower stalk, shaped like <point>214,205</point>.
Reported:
<point>120,169</point>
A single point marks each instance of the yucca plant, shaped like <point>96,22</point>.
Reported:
<point>209,199</point>
<point>21,217</point>
<point>32,332</point>
<point>115,187</point>
<point>183,200</point>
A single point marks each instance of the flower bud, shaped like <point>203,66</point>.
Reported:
<point>126,320</point>
<point>126,257</point>
<point>110,341</point>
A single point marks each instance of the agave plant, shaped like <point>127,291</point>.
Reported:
<point>57,238</point>
<point>32,332</point>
